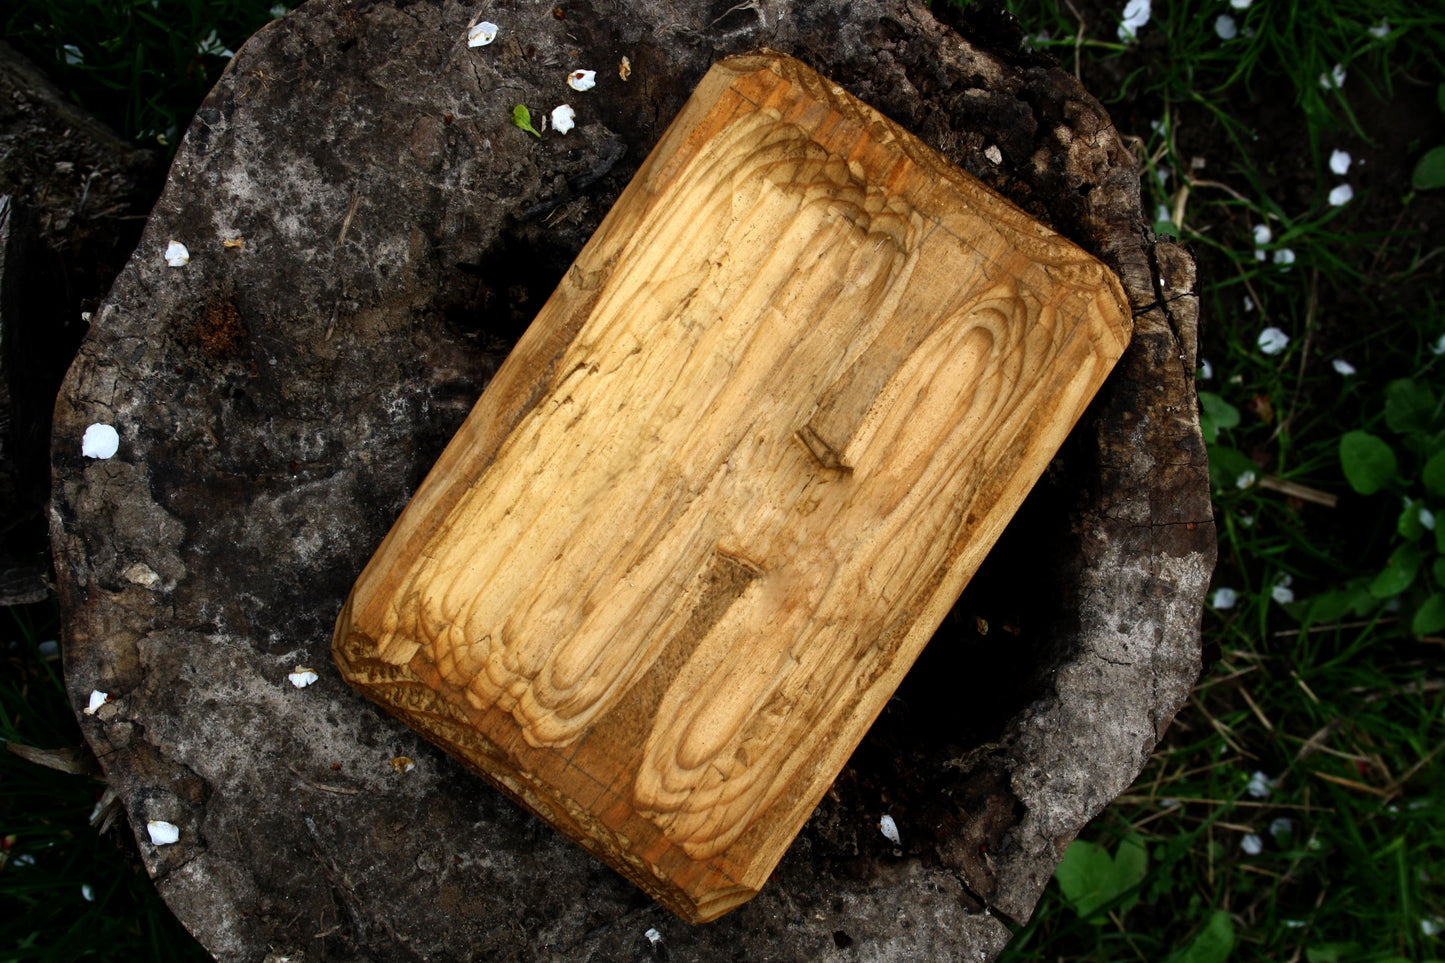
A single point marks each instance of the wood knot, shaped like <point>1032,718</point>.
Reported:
<point>220,331</point>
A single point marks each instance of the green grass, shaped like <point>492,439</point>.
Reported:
<point>143,66</point>
<point>67,892</point>
<point>1328,678</point>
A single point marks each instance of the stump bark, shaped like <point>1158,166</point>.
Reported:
<point>368,232</point>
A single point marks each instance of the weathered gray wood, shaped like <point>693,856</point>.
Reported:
<point>278,400</point>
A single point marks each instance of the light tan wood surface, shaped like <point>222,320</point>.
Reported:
<point>730,480</point>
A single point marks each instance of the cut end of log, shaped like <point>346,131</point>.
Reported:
<point>635,594</point>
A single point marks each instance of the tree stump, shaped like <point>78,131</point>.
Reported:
<point>367,233</point>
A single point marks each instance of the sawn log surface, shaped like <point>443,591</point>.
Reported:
<point>730,481</point>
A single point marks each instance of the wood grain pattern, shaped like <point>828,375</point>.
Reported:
<point>730,481</point>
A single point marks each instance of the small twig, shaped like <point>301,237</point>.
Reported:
<point>1296,490</point>
<point>1311,307</point>
<point>346,222</point>
<point>1255,707</point>
<point>1398,785</point>
<point>321,787</point>
<point>1078,38</point>
<point>1352,784</point>
<point>1224,731</point>
<point>1218,185</point>
<point>1201,801</point>
<point>1331,627</point>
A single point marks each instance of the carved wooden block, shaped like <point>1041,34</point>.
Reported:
<point>730,480</point>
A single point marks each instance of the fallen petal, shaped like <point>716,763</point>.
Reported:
<point>162,833</point>
<point>1136,15</point>
<point>97,699</point>
<point>100,441</point>
<point>177,255</point>
<point>564,118</point>
<point>582,79</point>
<point>1272,340</point>
<point>303,676</point>
<point>481,34</point>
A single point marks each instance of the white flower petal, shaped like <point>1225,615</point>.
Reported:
<point>1380,30</point>
<point>162,833</point>
<point>1282,826</point>
<point>1335,79</point>
<point>481,34</point>
<point>73,55</point>
<point>1224,598</point>
<point>1260,785</point>
<point>303,676</point>
<point>100,441</point>
<point>1340,162</point>
<point>1282,594</point>
<point>1343,367</point>
<point>1341,195</point>
<point>1262,235</point>
<point>994,155</point>
<point>1438,345</point>
<point>1252,844</point>
<point>1240,4</point>
<point>582,79</point>
<point>1206,370</point>
<point>87,893</point>
<point>97,699</point>
<point>177,255</point>
<point>564,118</point>
<point>654,937</point>
<point>1427,519</point>
<point>1284,257</point>
<point>1136,15</point>
<point>889,829</point>
<point>1246,479</point>
<point>1225,27</point>
<point>1272,340</point>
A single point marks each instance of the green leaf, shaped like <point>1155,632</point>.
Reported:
<point>1430,170</point>
<point>1434,474</point>
<point>1412,523</point>
<point>1430,616</point>
<point>1368,462</point>
<point>1090,878</point>
<point>1215,413</point>
<point>1230,468</point>
<point>1440,98</point>
<point>522,117</point>
<point>1330,607</point>
<point>1399,572</point>
<point>1213,943</point>
<point>1438,570</point>
<point>1409,406</point>
<point>1331,952</point>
